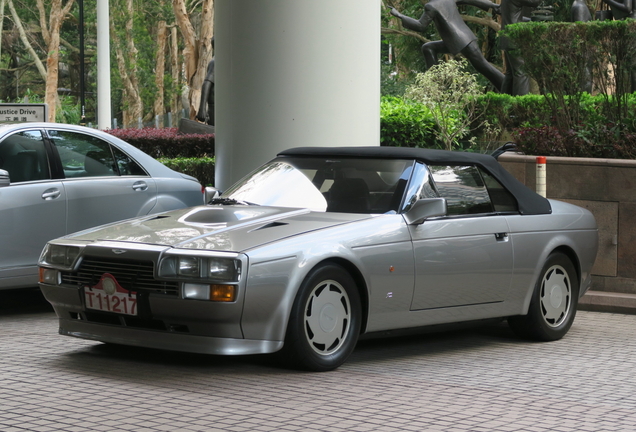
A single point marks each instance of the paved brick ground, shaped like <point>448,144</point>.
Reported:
<point>481,380</point>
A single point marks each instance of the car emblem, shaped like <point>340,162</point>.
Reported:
<point>118,251</point>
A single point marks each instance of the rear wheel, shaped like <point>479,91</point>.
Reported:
<point>325,320</point>
<point>554,301</point>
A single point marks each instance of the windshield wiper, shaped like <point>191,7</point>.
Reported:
<point>230,201</point>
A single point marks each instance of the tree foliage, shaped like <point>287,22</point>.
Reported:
<point>451,94</point>
<point>153,55</point>
<point>564,56</point>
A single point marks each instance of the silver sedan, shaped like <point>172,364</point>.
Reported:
<point>56,179</point>
<point>323,245</point>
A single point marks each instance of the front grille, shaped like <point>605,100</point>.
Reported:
<point>131,274</point>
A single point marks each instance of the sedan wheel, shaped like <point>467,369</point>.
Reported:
<point>325,321</point>
<point>554,300</point>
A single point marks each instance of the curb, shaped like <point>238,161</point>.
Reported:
<point>601,301</point>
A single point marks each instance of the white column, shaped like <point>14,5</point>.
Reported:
<point>292,73</point>
<point>103,66</point>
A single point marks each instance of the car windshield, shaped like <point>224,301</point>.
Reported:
<point>347,185</point>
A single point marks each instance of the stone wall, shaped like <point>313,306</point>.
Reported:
<point>606,187</point>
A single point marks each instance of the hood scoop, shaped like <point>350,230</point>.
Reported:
<point>270,225</point>
<point>156,218</point>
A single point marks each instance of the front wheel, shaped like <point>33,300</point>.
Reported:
<point>325,320</point>
<point>553,304</point>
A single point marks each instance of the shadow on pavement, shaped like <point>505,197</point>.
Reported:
<point>23,301</point>
<point>120,360</point>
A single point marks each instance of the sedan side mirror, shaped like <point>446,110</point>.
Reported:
<point>4,178</point>
<point>424,209</point>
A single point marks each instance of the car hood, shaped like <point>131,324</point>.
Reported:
<point>220,228</point>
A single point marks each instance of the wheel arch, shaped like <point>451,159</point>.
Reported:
<point>574,259</point>
<point>360,282</point>
<point>555,247</point>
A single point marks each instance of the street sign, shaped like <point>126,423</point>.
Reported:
<point>22,113</point>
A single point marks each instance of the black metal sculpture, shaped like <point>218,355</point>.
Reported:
<point>622,9</point>
<point>516,82</point>
<point>456,36</point>
<point>579,12</point>
<point>206,105</point>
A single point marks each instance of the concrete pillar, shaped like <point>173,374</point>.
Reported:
<point>103,66</point>
<point>292,73</point>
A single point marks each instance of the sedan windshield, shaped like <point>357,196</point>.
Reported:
<point>347,185</point>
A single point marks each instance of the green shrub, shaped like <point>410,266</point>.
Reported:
<point>167,142</point>
<point>508,112</point>
<point>201,168</point>
<point>532,110</point>
<point>406,124</point>
<point>600,142</point>
<point>450,93</point>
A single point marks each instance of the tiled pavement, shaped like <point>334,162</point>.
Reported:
<point>480,379</point>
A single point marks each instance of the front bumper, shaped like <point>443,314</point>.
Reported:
<point>167,341</point>
<point>171,323</point>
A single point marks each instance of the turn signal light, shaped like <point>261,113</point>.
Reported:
<point>49,276</point>
<point>222,293</point>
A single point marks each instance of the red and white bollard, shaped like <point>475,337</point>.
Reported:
<point>541,175</point>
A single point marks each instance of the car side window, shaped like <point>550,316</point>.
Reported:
<point>83,155</point>
<point>502,199</point>
<point>24,156</point>
<point>126,165</point>
<point>464,189</point>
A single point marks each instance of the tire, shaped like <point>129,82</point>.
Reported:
<point>553,304</point>
<point>325,320</point>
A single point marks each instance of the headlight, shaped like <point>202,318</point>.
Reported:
<point>60,255</point>
<point>200,267</point>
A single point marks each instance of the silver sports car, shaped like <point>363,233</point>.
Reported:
<point>56,179</point>
<point>322,245</point>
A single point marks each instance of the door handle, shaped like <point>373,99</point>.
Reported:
<point>50,194</point>
<point>140,186</point>
<point>501,237</point>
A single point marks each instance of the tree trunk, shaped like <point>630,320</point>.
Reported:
<point>160,66</point>
<point>198,48</point>
<point>25,40</point>
<point>133,108</point>
<point>56,18</point>
<point>176,71</point>
<point>2,3</point>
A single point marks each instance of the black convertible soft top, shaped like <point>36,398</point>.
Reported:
<point>530,203</point>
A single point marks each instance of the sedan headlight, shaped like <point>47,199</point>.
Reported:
<point>60,256</point>
<point>200,267</point>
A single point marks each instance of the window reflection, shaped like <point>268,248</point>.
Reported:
<point>347,185</point>
<point>23,155</point>
<point>463,188</point>
<point>83,155</point>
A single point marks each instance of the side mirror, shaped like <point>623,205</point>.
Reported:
<point>424,209</point>
<point>4,178</point>
<point>210,193</point>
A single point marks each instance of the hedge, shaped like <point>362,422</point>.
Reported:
<point>201,168</point>
<point>167,142</point>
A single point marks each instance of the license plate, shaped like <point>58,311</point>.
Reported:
<point>121,303</point>
<point>109,296</point>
